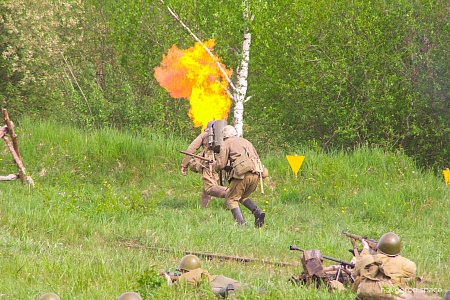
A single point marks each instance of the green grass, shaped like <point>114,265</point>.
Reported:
<point>104,201</point>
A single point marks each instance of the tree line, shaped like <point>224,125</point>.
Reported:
<point>328,74</point>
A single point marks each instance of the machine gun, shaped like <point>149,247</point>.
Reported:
<point>372,243</point>
<point>315,273</point>
<point>340,261</point>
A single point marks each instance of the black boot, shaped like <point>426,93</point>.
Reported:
<point>256,211</point>
<point>237,214</point>
<point>228,292</point>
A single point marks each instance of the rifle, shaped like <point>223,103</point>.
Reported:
<point>372,243</point>
<point>259,169</point>
<point>196,156</point>
<point>212,256</point>
<point>341,262</point>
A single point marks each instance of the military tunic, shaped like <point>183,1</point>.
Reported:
<point>241,186</point>
<point>382,277</point>
<point>217,282</point>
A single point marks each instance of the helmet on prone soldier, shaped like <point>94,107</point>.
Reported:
<point>188,263</point>
<point>130,296</point>
<point>49,296</point>
<point>228,131</point>
<point>447,296</point>
<point>389,244</point>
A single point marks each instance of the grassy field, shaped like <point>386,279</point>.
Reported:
<point>110,210</point>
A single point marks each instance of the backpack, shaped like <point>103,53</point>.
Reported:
<point>215,137</point>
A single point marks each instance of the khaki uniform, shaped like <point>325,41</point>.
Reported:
<point>209,178</point>
<point>240,186</point>
<point>382,277</point>
<point>217,282</point>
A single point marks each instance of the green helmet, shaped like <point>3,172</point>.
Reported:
<point>447,296</point>
<point>130,296</point>
<point>389,244</point>
<point>189,263</point>
<point>228,131</point>
<point>49,296</point>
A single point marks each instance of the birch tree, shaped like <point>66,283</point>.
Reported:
<point>240,91</point>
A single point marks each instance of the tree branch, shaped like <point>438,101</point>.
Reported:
<point>76,81</point>
<point>201,43</point>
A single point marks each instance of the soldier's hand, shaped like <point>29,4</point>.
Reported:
<point>168,279</point>
<point>365,244</point>
<point>184,171</point>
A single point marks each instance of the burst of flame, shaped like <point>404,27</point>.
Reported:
<point>194,74</point>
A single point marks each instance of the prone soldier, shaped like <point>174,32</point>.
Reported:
<point>384,275</point>
<point>192,274</point>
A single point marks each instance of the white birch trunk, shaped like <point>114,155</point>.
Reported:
<point>240,92</point>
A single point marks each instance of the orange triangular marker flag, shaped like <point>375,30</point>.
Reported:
<point>295,161</point>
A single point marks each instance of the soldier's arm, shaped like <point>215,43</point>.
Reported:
<point>192,148</point>
<point>408,268</point>
<point>362,259</point>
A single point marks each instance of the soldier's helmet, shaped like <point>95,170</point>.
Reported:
<point>389,244</point>
<point>130,296</point>
<point>188,263</point>
<point>49,296</point>
<point>447,296</point>
<point>228,131</point>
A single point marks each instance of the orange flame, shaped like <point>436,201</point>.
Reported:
<point>194,74</point>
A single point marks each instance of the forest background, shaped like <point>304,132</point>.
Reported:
<point>328,74</point>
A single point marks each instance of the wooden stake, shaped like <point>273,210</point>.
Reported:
<point>13,147</point>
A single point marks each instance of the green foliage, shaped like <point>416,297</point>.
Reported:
<point>334,74</point>
<point>348,74</point>
<point>148,282</point>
